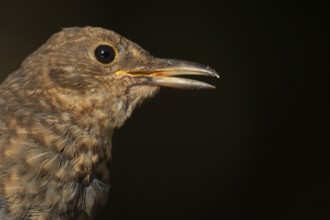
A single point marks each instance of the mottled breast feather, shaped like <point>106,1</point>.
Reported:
<point>50,163</point>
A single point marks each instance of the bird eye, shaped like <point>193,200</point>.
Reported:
<point>105,54</point>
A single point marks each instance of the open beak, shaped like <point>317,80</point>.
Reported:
<point>164,72</point>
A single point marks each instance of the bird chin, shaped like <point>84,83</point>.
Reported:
<point>135,96</point>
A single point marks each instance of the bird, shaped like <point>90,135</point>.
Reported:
<point>59,110</point>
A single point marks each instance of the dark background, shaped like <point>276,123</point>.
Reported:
<point>254,148</point>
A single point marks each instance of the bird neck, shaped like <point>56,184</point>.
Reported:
<point>66,138</point>
<point>81,131</point>
<point>73,128</point>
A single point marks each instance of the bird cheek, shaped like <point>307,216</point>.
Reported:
<point>70,80</point>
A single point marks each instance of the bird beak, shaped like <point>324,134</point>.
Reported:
<point>164,72</point>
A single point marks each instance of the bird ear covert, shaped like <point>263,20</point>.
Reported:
<point>105,54</point>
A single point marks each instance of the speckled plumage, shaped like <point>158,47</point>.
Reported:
<point>57,115</point>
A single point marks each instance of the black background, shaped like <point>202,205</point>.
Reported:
<point>254,148</point>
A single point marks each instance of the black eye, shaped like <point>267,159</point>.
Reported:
<point>104,54</point>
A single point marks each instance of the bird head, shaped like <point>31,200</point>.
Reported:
<point>99,69</point>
